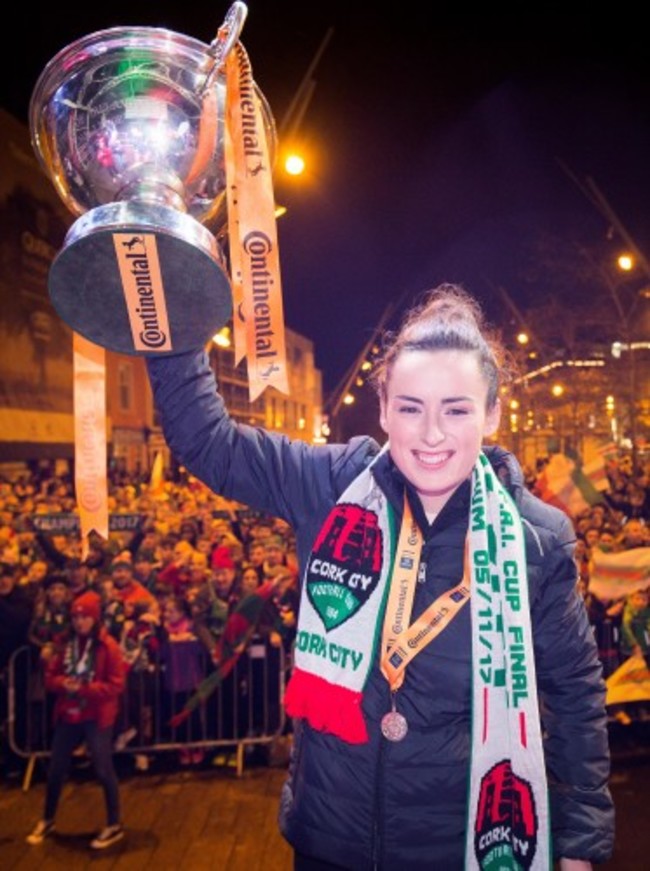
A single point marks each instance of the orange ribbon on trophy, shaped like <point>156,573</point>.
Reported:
<point>91,484</point>
<point>258,319</point>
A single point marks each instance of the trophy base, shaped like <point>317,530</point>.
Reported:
<point>141,279</point>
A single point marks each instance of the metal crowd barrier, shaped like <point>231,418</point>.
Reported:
<point>243,711</point>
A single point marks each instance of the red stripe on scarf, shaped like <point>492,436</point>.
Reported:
<point>326,707</point>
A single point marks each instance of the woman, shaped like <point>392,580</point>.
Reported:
<point>88,677</point>
<point>410,754</point>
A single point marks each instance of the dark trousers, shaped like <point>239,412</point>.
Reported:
<point>100,746</point>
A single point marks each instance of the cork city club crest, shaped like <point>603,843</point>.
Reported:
<point>345,564</point>
<point>505,829</point>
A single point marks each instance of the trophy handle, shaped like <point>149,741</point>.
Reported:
<point>226,38</point>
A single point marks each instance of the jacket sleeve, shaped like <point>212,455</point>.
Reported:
<point>111,682</point>
<point>267,471</point>
<point>572,701</point>
<point>54,676</point>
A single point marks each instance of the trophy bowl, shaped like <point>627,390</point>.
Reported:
<point>128,124</point>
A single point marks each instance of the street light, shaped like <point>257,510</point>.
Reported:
<point>294,163</point>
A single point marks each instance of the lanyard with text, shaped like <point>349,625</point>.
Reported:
<point>402,643</point>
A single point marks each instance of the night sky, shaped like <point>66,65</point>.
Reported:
<point>441,143</point>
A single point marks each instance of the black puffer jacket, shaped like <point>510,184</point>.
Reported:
<point>403,805</point>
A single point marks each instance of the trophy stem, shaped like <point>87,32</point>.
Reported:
<point>155,192</point>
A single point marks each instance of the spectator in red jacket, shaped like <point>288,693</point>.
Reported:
<point>88,677</point>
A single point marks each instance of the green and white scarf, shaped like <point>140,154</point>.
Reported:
<point>343,597</point>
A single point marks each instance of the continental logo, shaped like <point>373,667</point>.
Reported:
<point>137,257</point>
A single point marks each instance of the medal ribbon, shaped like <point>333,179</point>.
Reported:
<point>255,263</point>
<point>402,643</point>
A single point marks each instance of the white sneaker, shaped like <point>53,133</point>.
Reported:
<point>42,829</point>
<point>107,837</point>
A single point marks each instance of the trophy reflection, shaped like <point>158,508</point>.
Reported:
<point>128,124</point>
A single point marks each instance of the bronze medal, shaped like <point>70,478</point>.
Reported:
<point>394,726</point>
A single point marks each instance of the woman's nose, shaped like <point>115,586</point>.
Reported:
<point>432,432</point>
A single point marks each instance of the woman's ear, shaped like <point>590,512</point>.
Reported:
<point>492,419</point>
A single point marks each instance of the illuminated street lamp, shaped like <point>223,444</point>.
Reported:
<point>625,262</point>
<point>294,163</point>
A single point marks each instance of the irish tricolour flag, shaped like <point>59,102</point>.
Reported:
<point>569,485</point>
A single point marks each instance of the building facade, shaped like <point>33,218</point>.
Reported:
<point>36,362</point>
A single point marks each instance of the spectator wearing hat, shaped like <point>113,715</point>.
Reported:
<point>234,545</point>
<point>88,678</point>
<point>128,589</point>
<point>224,573</point>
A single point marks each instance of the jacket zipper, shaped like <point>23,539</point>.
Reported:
<point>376,829</point>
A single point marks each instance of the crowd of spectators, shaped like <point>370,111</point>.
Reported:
<point>180,559</point>
<point>178,562</point>
<point>618,522</point>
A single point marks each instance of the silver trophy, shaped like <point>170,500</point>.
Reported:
<point>128,124</point>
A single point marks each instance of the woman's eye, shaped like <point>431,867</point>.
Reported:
<point>408,409</point>
<point>457,411</point>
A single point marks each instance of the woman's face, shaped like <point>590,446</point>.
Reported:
<point>434,413</point>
